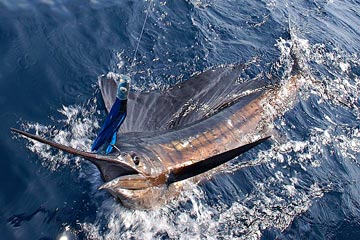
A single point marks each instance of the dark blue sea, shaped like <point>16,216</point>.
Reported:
<point>303,184</point>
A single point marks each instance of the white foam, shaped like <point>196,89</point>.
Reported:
<point>77,131</point>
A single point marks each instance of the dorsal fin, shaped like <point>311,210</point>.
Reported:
<point>108,87</point>
<point>182,104</point>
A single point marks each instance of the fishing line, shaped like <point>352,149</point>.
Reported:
<point>141,33</point>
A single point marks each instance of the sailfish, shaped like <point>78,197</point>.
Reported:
<point>182,132</point>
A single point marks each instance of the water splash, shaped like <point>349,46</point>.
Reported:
<point>77,131</point>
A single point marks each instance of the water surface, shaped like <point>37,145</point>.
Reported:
<point>304,184</point>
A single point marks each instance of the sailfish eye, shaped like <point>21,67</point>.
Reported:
<point>135,158</point>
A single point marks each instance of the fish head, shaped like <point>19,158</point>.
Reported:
<point>123,88</point>
<point>132,160</point>
<point>142,185</point>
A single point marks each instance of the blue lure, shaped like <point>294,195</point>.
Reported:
<point>115,118</point>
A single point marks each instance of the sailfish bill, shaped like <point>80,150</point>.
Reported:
<point>105,164</point>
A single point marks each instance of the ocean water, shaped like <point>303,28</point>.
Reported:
<point>303,184</point>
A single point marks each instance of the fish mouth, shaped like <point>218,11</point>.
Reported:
<point>113,168</point>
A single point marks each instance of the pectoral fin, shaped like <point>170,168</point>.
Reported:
<point>182,173</point>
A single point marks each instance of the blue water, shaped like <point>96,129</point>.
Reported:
<point>304,184</point>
